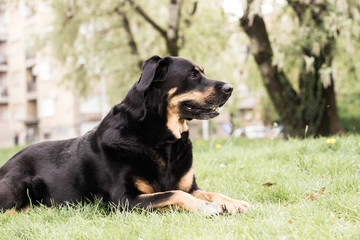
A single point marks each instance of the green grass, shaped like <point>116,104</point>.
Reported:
<point>237,168</point>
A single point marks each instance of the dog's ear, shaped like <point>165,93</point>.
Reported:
<point>148,73</point>
<point>154,70</point>
<point>162,70</point>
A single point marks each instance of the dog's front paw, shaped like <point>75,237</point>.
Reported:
<point>233,206</point>
<point>210,208</point>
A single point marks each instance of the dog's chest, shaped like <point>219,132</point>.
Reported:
<point>160,162</point>
<point>169,171</point>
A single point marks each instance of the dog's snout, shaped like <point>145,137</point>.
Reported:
<point>227,88</point>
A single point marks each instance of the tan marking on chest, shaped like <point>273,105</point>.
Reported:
<point>174,123</point>
<point>186,181</point>
<point>143,186</point>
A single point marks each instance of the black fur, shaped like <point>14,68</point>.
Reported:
<point>132,142</point>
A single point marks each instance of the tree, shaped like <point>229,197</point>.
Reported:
<point>171,34</point>
<point>93,38</point>
<point>113,38</point>
<point>313,106</point>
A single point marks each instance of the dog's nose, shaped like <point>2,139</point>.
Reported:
<point>227,88</point>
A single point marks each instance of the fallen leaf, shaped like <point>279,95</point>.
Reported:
<point>310,196</point>
<point>268,184</point>
<point>321,191</point>
<point>11,212</point>
<point>290,221</point>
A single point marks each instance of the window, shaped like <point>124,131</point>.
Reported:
<point>43,71</point>
<point>47,107</point>
<point>3,86</point>
<point>3,19</point>
<point>3,54</point>
<point>91,105</point>
<point>15,78</point>
<point>18,112</point>
<point>4,113</point>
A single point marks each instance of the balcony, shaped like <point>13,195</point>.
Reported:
<point>4,95</point>
<point>3,62</point>
<point>31,112</point>
<point>32,130</point>
<point>31,121</point>
<point>4,113</point>
<point>31,91</point>
<point>31,86</point>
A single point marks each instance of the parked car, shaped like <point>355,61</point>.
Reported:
<point>259,132</point>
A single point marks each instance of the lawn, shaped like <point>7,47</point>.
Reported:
<point>299,189</point>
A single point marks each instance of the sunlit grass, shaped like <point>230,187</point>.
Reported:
<point>299,189</point>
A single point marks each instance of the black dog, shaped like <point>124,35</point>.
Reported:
<point>139,156</point>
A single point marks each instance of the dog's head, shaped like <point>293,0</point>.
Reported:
<point>182,87</point>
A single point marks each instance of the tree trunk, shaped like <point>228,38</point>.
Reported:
<point>172,33</point>
<point>314,108</point>
<point>286,101</point>
<point>330,123</point>
<point>318,98</point>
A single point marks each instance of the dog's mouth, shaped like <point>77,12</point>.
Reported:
<point>192,110</point>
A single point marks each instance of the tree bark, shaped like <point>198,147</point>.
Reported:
<point>319,99</point>
<point>172,34</point>
<point>314,108</point>
<point>282,94</point>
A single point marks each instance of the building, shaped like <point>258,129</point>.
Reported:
<point>33,105</point>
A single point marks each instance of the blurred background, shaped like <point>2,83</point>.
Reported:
<point>294,65</point>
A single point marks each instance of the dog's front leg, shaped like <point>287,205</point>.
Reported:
<point>230,205</point>
<point>177,199</point>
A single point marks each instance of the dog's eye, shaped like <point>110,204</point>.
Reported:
<point>192,75</point>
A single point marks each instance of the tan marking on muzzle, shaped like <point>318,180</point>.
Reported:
<point>174,123</point>
<point>143,186</point>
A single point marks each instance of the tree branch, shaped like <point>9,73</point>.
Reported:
<point>142,13</point>
<point>299,7</point>
<point>126,24</point>
<point>195,4</point>
<point>317,9</point>
<point>131,40</point>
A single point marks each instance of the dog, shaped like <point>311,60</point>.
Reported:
<point>139,156</point>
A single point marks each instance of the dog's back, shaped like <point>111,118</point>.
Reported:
<point>46,172</point>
